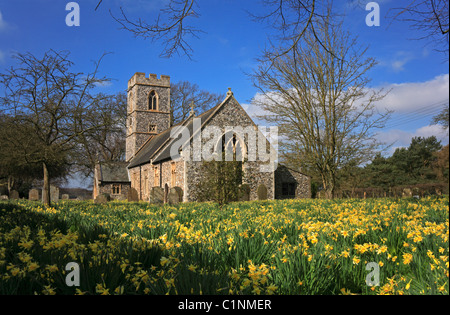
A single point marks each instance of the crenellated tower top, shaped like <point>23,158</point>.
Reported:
<point>152,80</point>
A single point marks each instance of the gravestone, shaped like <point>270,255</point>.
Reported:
<point>33,194</point>
<point>166,193</point>
<point>4,197</point>
<point>157,195</point>
<point>54,193</point>
<point>13,195</point>
<point>132,195</point>
<point>175,196</point>
<point>244,193</point>
<point>407,192</point>
<point>179,192</point>
<point>65,196</point>
<point>102,198</point>
<point>262,192</point>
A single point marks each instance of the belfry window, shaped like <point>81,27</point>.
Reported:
<point>152,128</point>
<point>153,101</point>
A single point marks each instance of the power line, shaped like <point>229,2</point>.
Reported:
<point>403,122</point>
<point>426,108</point>
<point>418,114</point>
<point>407,120</point>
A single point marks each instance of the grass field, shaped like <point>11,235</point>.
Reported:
<point>270,247</point>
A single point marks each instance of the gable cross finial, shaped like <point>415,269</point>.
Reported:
<point>192,113</point>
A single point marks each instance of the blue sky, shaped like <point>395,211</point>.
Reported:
<point>417,75</point>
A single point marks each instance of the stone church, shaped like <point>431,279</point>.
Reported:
<point>166,157</point>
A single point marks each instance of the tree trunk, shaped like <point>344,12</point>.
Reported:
<point>10,184</point>
<point>46,188</point>
<point>329,187</point>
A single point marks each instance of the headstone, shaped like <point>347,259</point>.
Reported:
<point>132,195</point>
<point>262,192</point>
<point>65,197</point>
<point>173,198</point>
<point>54,193</point>
<point>245,193</point>
<point>14,194</point>
<point>175,195</point>
<point>4,197</point>
<point>166,193</point>
<point>157,195</point>
<point>407,192</point>
<point>179,192</point>
<point>102,198</point>
<point>33,194</point>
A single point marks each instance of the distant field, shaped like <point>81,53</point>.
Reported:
<point>271,247</point>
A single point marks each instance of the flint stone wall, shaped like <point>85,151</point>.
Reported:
<point>230,115</point>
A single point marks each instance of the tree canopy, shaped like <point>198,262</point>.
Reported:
<point>49,108</point>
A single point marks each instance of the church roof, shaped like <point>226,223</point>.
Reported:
<point>115,172</point>
<point>158,148</point>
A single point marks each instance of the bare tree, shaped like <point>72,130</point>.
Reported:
<point>51,101</point>
<point>184,93</point>
<point>107,141</point>
<point>291,19</point>
<point>170,27</point>
<point>319,97</point>
<point>20,153</point>
<point>431,17</point>
<point>442,118</point>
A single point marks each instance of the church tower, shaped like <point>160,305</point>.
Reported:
<point>148,111</point>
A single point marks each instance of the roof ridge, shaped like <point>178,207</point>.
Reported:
<point>154,154</point>
<point>214,110</point>
<point>168,140</point>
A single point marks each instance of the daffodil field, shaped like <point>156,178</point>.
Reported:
<point>262,247</point>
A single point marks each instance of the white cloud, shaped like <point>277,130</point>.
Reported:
<point>254,110</point>
<point>411,96</point>
<point>400,138</point>
<point>402,98</point>
<point>433,130</point>
<point>400,60</point>
<point>3,25</point>
<point>103,84</point>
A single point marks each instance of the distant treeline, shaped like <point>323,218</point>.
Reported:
<point>418,170</point>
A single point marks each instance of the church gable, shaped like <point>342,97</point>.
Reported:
<point>227,114</point>
<point>230,114</point>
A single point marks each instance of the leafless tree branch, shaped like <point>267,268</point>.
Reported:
<point>170,27</point>
<point>431,17</point>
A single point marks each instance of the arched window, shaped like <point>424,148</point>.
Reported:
<point>232,146</point>
<point>153,101</point>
